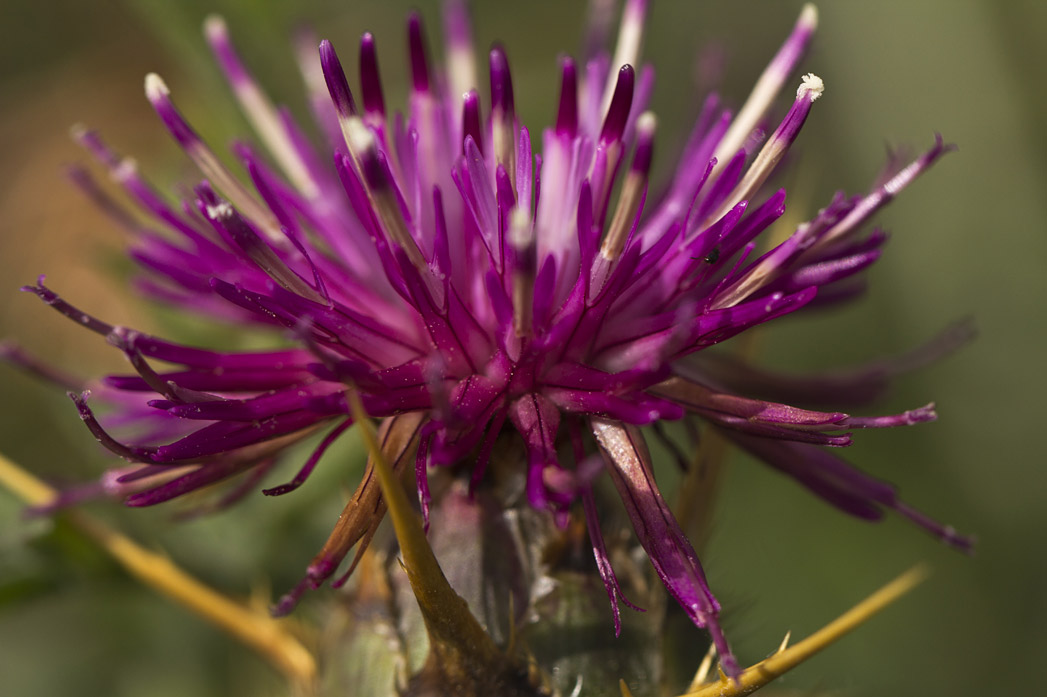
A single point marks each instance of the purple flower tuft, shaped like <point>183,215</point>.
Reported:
<point>464,287</point>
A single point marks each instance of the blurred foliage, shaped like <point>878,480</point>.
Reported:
<point>969,241</point>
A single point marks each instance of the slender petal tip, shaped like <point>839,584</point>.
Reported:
<point>416,48</point>
<point>809,17</point>
<point>567,113</point>
<point>621,103</point>
<point>216,31</point>
<point>155,88</point>
<point>159,96</point>
<point>471,123</point>
<point>370,81</point>
<point>501,81</point>
<point>337,84</point>
<point>78,131</point>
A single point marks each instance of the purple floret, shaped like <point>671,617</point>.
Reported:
<point>464,286</point>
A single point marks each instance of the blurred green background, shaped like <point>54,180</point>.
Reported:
<point>969,239</point>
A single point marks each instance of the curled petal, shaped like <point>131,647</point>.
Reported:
<point>359,520</point>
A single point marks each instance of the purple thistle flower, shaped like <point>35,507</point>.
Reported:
<point>463,285</point>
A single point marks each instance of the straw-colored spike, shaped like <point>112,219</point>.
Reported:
<point>704,667</point>
<point>267,636</point>
<point>463,658</point>
<point>695,500</point>
<point>785,659</point>
<point>446,614</point>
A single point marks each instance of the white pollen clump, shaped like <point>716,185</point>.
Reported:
<point>155,87</point>
<point>221,211</point>
<point>812,84</point>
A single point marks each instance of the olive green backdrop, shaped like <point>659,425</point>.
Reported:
<point>969,239</point>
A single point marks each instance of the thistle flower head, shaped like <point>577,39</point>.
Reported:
<point>463,281</point>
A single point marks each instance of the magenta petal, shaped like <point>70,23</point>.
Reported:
<point>672,556</point>
<point>842,485</point>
